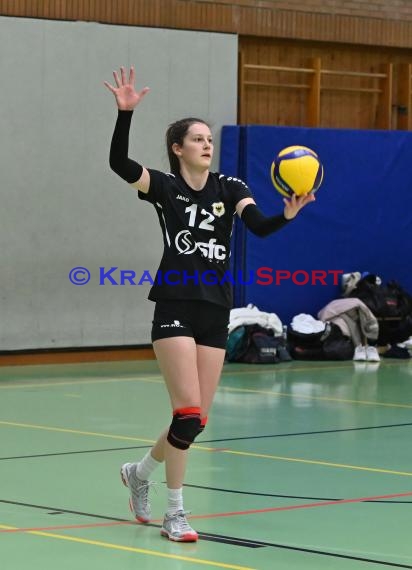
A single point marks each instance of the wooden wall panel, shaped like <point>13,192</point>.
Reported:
<point>279,32</point>
<point>280,105</point>
<point>379,22</point>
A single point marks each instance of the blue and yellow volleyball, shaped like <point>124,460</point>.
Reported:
<point>296,170</point>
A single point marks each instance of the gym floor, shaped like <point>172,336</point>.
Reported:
<point>302,465</point>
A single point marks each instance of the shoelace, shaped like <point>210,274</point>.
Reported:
<point>143,490</point>
<point>181,520</point>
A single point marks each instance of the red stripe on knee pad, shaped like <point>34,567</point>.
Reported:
<point>187,411</point>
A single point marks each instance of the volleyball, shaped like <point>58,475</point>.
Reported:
<point>296,170</point>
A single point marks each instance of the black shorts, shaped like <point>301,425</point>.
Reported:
<point>206,322</point>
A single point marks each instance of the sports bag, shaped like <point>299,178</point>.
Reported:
<point>329,344</point>
<point>261,347</point>
<point>235,344</point>
<point>384,301</point>
<point>255,345</point>
<point>391,305</point>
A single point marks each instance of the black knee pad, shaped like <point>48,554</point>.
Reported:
<point>202,426</point>
<point>184,428</point>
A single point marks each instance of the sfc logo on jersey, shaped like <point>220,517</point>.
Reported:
<point>218,209</point>
<point>185,243</point>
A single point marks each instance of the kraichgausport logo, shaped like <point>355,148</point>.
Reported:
<point>264,276</point>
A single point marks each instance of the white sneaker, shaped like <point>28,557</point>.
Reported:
<point>360,353</point>
<point>139,492</point>
<point>372,354</point>
<point>175,527</point>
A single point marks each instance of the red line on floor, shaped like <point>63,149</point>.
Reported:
<point>217,515</point>
<point>67,527</point>
<point>305,506</point>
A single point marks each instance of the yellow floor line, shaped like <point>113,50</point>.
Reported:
<point>131,549</point>
<point>318,398</point>
<point>201,447</point>
<point>76,432</point>
<point>316,462</point>
<point>158,380</point>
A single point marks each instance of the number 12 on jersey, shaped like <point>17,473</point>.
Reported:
<point>205,224</point>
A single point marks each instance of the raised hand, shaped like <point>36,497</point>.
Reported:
<point>127,98</point>
<point>296,203</point>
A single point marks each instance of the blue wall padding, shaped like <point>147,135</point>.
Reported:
<point>361,220</point>
<point>230,150</point>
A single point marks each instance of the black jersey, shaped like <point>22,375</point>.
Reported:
<point>196,226</point>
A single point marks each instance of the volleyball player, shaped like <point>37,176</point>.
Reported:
<point>196,213</point>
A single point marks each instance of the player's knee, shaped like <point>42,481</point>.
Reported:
<point>184,428</point>
<point>203,422</point>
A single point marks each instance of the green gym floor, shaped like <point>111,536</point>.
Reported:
<point>302,466</point>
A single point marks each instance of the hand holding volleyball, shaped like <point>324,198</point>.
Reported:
<point>296,170</point>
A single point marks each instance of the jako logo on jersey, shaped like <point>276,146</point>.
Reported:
<point>180,197</point>
<point>185,244</point>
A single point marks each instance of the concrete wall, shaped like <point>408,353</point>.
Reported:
<point>62,206</point>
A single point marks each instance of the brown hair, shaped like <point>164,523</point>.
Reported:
<point>175,133</point>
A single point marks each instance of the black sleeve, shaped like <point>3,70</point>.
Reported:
<point>259,224</point>
<point>237,189</point>
<point>120,163</point>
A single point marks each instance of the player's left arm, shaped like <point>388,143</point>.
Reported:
<point>261,225</point>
